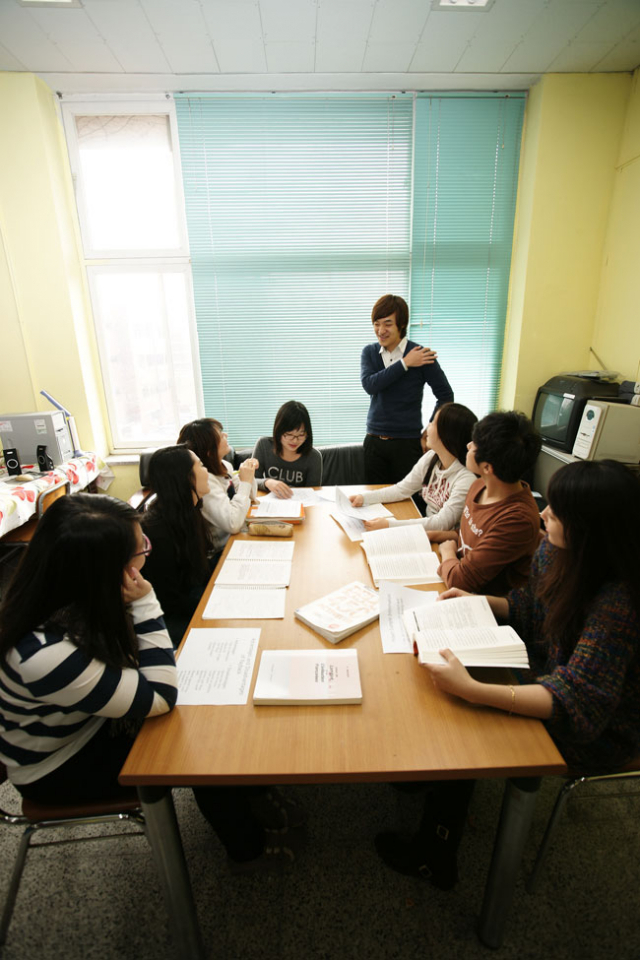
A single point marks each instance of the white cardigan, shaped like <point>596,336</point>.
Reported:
<point>445,494</point>
<point>223,515</point>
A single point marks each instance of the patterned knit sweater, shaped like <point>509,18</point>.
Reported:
<point>596,689</point>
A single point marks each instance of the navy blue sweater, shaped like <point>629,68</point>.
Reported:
<point>396,393</point>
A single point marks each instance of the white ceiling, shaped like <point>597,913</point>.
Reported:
<point>157,45</point>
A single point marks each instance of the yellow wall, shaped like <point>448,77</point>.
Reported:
<point>617,328</point>
<point>47,335</point>
<point>573,129</point>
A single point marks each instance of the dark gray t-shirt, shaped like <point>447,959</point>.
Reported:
<point>304,472</point>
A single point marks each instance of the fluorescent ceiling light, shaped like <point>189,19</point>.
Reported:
<point>50,3</point>
<point>467,5</point>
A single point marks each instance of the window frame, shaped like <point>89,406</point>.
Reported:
<point>129,260</point>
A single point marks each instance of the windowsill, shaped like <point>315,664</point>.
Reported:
<point>118,459</point>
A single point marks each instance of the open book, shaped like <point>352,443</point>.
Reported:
<point>466,626</point>
<point>341,613</point>
<point>401,554</point>
<point>308,677</point>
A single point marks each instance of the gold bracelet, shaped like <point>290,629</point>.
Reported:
<point>513,699</point>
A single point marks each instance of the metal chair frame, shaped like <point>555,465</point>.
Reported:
<point>563,795</point>
<point>45,817</point>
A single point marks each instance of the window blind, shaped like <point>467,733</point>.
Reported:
<point>465,182</point>
<point>302,210</point>
<point>299,217</point>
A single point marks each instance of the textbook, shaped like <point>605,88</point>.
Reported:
<point>402,555</point>
<point>466,626</point>
<point>307,677</point>
<point>339,614</point>
<point>291,511</point>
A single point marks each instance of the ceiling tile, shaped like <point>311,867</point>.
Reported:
<point>27,41</point>
<point>9,62</point>
<point>340,20</point>
<point>396,21</point>
<point>443,42</point>
<point>183,35</point>
<point>76,36</point>
<point>388,57</point>
<point>579,57</point>
<point>623,56</point>
<point>235,21</point>
<point>612,21</point>
<point>550,33</point>
<point>242,57</point>
<point>290,57</point>
<point>127,31</point>
<point>342,56</point>
<point>497,34</point>
<point>285,22</point>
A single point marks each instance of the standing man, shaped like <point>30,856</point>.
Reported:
<point>394,371</point>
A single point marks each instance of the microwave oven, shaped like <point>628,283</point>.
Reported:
<point>608,431</point>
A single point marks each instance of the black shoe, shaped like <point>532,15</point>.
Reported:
<point>405,856</point>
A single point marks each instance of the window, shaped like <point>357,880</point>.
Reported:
<point>132,221</point>
<point>303,210</point>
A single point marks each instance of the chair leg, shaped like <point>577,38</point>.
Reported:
<point>561,800</point>
<point>12,893</point>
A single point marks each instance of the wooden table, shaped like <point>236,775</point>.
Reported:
<point>403,730</point>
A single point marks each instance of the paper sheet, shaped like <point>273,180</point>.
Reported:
<point>245,603</point>
<point>261,550</point>
<point>265,573</point>
<point>371,512</point>
<point>307,495</point>
<point>394,600</point>
<point>216,665</point>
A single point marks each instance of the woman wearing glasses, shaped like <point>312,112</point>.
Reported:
<point>84,654</point>
<point>85,658</point>
<point>288,458</point>
<point>183,554</point>
<point>227,501</point>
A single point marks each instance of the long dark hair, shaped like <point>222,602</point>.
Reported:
<point>598,504</point>
<point>203,437</point>
<point>70,579</point>
<point>455,425</point>
<point>171,479</point>
<point>289,418</point>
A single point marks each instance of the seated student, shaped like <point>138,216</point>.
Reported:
<point>579,616</point>
<point>288,458</point>
<point>225,505</point>
<point>500,524</point>
<point>439,474</point>
<point>84,658</point>
<point>182,555</point>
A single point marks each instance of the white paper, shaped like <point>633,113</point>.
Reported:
<point>397,540</point>
<point>371,512</point>
<point>267,573</point>
<point>327,493</point>
<point>307,495</point>
<point>354,529</point>
<point>394,600</point>
<point>215,665</point>
<point>261,550</point>
<point>267,508</point>
<point>245,603</point>
<point>412,568</point>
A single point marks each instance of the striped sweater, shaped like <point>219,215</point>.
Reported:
<point>54,698</point>
<point>596,690</point>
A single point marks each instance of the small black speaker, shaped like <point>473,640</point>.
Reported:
<point>12,461</point>
<point>44,460</point>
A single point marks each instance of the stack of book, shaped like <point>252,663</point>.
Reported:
<point>341,613</point>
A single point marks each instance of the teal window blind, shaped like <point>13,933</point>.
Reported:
<point>302,210</point>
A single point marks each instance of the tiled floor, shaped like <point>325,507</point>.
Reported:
<point>103,902</point>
